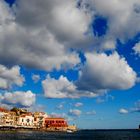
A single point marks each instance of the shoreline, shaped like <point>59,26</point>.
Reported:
<point>45,130</point>
<point>7,129</point>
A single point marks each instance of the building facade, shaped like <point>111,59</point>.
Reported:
<point>39,119</point>
<point>18,118</point>
<point>10,118</point>
<point>26,120</point>
<point>56,123</point>
<point>7,118</point>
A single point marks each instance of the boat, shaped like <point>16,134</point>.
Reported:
<point>69,131</point>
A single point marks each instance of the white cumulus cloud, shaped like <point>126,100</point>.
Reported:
<point>21,98</point>
<point>10,76</point>
<point>33,47</point>
<point>63,88</point>
<point>106,72</point>
<point>123,16</point>
<point>46,34</point>
<point>58,88</point>
<point>41,34</point>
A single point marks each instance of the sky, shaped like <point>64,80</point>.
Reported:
<point>77,59</point>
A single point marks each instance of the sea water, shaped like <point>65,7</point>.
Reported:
<point>79,135</point>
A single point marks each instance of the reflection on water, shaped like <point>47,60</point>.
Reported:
<point>80,135</point>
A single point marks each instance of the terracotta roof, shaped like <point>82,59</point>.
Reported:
<point>3,110</point>
<point>55,118</point>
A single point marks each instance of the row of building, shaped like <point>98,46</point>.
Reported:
<point>21,118</point>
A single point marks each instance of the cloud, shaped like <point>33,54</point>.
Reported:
<point>122,21</point>
<point>136,108</point>
<point>57,115</point>
<point>106,72</point>
<point>123,18</point>
<point>105,98</point>
<point>123,111</point>
<point>20,98</point>
<point>75,112</point>
<point>93,112</point>
<point>10,76</point>
<point>67,23</point>
<point>70,21</point>
<point>46,35</point>
<point>93,78</point>
<point>29,46</point>
<point>36,108</point>
<point>36,42</point>
<point>100,100</point>
<point>78,104</point>
<point>138,80</point>
<point>58,88</point>
<point>35,78</point>
<point>59,107</point>
<point>63,88</point>
<point>136,48</point>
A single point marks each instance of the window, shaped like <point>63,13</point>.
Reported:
<point>28,120</point>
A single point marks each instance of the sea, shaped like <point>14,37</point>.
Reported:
<point>79,135</point>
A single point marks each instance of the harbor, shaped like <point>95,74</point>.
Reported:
<point>21,119</point>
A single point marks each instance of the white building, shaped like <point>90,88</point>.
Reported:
<point>26,120</point>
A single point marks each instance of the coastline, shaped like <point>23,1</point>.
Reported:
<point>45,130</point>
<point>7,129</point>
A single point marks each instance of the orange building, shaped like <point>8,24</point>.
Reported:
<point>56,123</point>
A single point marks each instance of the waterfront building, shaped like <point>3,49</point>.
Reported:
<point>56,124</point>
<point>10,118</point>
<point>2,121</point>
<point>39,119</point>
<point>7,118</point>
<point>26,120</point>
<point>20,118</point>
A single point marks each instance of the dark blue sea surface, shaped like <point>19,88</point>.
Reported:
<point>79,135</point>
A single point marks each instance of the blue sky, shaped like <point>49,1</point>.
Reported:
<point>75,59</point>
